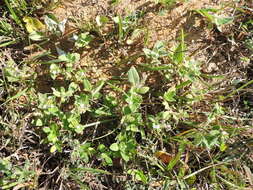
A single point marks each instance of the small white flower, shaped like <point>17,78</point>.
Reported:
<point>156,126</point>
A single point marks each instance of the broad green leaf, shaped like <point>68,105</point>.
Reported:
<point>107,159</point>
<point>39,123</point>
<point>179,54</point>
<point>87,85</point>
<point>56,92</point>
<point>79,128</point>
<point>73,87</point>
<point>134,101</point>
<point>114,147</point>
<point>125,156</point>
<point>46,129</point>
<point>142,90</point>
<point>220,21</point>
<point>133,76</point>
<point>150,53</point>
<point>138,175</point>
<point>37,36</point>
<point>223,20</point>
<point>101,147</point>
<point>33,24</point>
<point>170,94</point>
<point>82,103</point>
<point>83,40</point>
<point>132,128</point>
<point>55,70</point>
<point>70,57</point>
<point>53,149</point>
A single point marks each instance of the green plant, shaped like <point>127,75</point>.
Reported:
<point>16,175</point>
<point>126,24</point>
<point>98,111</point>
<point>214,18</point>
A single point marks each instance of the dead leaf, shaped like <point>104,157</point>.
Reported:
<point>163,156</point>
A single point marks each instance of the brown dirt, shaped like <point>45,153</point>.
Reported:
<point>164,26</point>
<point>107,58</point>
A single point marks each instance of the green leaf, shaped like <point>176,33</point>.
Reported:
<point>133,76</point>
<point>39,123</point>
<point>134,101</point>
<point>101,147</point>
<point>36,36</point>
<point>125,156</point>
<point>223,20</point>
<point>70,57</point>
<point>118,20</point>
<point>107,159</point>
<point>179,54</point>
<point>82,103</point>
<point>205,13</point>
<point>138,175</point>
<point>53,149</point>
<point>73,87</point>
<point>102,20</point>
<point>170,94</point>
<point>55,70</point>
<point>95,92</point>
<point>82,40</point>
<point>87,85</point>
<point>132,128</point>
<point>56,92</point>
<point>46,129</point>
<point>174,161</point>
<point>79,128</point>
<point>150,53</point>
<point>220,21</point>
<point>223,147</point>
<point>114,147</point>
<point>33,24</point>
<point>142,90</point>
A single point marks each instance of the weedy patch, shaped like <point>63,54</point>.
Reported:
<point>108,103</point>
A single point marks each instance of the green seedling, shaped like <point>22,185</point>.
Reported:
<point>126,24</point>
<point>214,19</point>
<point>82,40</point>
<point>158,51</point>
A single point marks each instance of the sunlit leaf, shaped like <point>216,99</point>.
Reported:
<point>133,76</point>
<point>170,94</point>
<point>33,24</point>
<point>114,147</point>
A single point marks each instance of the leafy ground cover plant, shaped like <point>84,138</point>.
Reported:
<point>161,123</point>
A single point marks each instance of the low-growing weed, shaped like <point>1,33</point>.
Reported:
<point>157,125</point>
